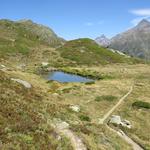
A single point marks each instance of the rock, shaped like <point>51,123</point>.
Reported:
<point>3,66</point>
<point>55,94</point>
<point>62,125</point>
<point>44,64</point>
<point>126,123</point>
<point>24,83</point>
<point>75,108</point>
<point>21,66</point>
<point>115,119</point>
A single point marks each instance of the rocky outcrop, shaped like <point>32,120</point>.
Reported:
<point>135,42</point>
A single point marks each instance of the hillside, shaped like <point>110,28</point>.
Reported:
<point>87,52</point>
<point>24,117</point>
<point>25,38</point>
<point>135,42</point>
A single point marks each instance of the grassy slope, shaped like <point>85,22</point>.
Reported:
<point>87,52</point>
<point>24,115</point>
<point>18,40</point>
<point>124,77</point>
<point>26,112</point>
<point>42,100</point>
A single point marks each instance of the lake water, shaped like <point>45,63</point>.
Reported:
<point>65,77</point>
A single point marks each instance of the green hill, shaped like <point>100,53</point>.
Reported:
<point>23,36</point>
<point>87,52</point>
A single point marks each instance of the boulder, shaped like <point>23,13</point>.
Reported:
<point>126,123</point>
<point>115,119</point>
<point>75,108</point>
<point>24,83</point>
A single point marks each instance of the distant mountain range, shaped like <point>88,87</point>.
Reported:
<point>103,41</point>
<point>135,41</point>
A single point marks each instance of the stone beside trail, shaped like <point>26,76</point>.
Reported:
<point>63,128</point>
<point>24,83</point>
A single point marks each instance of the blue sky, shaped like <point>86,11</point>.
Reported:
<point>72,19</point>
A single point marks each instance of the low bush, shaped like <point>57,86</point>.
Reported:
<point>90,82</point>
<point>84,118</point>
<point>105,97</point>
<point>140,104</point>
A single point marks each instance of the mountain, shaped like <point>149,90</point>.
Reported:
<point>27,42</point>
<point>87,52</point>
<point>42,32</point>
<point>103,41</point>
<point>135,42</point>
<point>24,36</point>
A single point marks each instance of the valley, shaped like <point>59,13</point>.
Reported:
<point>37,113</point>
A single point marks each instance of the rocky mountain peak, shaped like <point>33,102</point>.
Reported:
<point>143,23</point>
<point>103,40</point>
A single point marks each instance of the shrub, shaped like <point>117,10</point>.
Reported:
<point>84,118</point>
<point>90,82</point>
<point>140,104</point>
<point>105,97</point>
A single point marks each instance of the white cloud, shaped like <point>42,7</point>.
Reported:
<point>89,23</point>
<point>141,12</point>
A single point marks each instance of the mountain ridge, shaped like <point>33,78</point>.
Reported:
<point>134,41</point>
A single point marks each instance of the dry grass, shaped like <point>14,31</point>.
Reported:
<point>57,100</point>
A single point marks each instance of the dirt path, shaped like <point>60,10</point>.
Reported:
<point>101,121</point>
<point>120,132</point>
<point>126,138</point>
<point>63,128</point>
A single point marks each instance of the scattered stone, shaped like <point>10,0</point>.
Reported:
<point>24,83</point>
<point>44,64</point>
<point>3,66</point>
<point>55,94</point>
<point>82,51</point>
<point>75,108</point>
<point>62,125</point>
<point>58,137</point>
<point>126,123</point>
<point>117,120</point>
<point>21,66</point>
